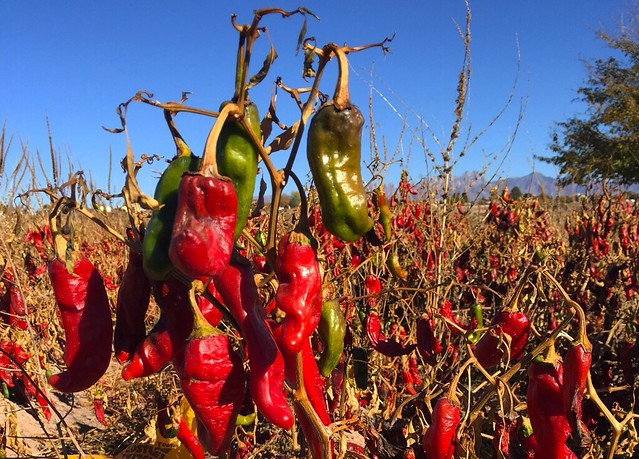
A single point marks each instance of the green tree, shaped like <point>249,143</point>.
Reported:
<point>515,193</point>
<point>603,145</point>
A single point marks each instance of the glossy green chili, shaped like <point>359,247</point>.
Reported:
<point>237,159</point>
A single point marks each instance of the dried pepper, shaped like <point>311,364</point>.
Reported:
<point>86,317</point>
<point>428,345</point>
<point>380,342</point>
<point>132,303</point>
<point>212,379</point>
<point>299,294</point>
<point>545,406</point>
<point>157,237</point>
<point>237,288</point>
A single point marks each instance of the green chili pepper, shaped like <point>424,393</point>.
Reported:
<point>237,159</point>
<point>334,157</point>
<point>360,367</point>
<point>332,329</point>
<point>476,312</point>
<point>155,246</point>
<point>385,217</point>
<point>5,390</point>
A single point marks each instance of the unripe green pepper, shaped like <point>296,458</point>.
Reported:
<point>155,246</point>
<point>334,151</point>
<point>237,159</point>
<point>332,329</point>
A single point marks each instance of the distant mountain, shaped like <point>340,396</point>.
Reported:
<point>474,184</point>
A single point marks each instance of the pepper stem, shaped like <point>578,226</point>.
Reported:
<point>209,161</point>
<point>341,98</point>
<point>180,145</point>
<point>201,327</point>
<point>582,336</point>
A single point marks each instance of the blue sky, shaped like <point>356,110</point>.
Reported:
<point>74,61</point>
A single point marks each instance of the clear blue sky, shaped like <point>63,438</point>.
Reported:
<point>74,61</point>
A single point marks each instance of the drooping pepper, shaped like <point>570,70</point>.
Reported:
<point>237,159</point>
<point>372,288</point>
<point>576,367</point>
<point>395,267</point>
<point>359,357</point>
<point>86,318</point>
<point>332,330</point>
<point>170,332</point>
<point>428,345</point>
<point>439,439</point>
<point>508,328</point>
<point>203,231</point>
<point>132,303</point>
<point>380,342</point>
<point>385,217</point>
<point>12,303</point>
<point>299,294</point>
<point>334,158</point>
<point>545,406</point>
<point>237,288</point>
<point>212,379</point>
<point>157,237</point>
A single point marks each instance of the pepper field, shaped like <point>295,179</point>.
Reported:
<point>431,298</point>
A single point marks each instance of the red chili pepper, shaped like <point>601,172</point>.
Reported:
<point>439,439</point>
<point>212,379</point>
<point>384,218</point>
<point>190,440</point>
<point>151,355</point>
<point>98,409</point>
<point>13,304</point>
<point>427,343</point>
<point>204,226</point>
<point>237,288</point>
<point>313,381</point>
<point>170,332</point>
<point>131,306</point>
<point>372,288</point>
<point>576,367</point>
<point>546,409</point>
<point>502,436</point>
<point>491,347</point>
<point>86,317</point>
<point>299,294</point>
<point>380,342</point>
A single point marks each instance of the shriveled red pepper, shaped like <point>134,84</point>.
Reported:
<point>169,334</point>
<point>12,303</point>
<point>237,288</point>
<point>299,294</point>
<point>372,288</point>
<point>212,379</point>
<point>204,227</point>
<point>132,303</point>
<point>428,345</point>
<point>86,317</point>
<point>439,439</point>
<point>491,347</point>
<point>380,342</point>
<point>545,406</point>
<point>190,440</point>
<point>576,367</point>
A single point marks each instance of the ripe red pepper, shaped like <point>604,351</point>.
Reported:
<point>299,294</point>
<point>380,342</point>
<point>372,288</point>
<point>86,317</point>
<point>12,304</point>
<point>428,345</point>
<point>440,437</point>
<point>212,379</point>
<point>132,303</point>
<point>491,347</point>
<point>170,332</point>
<point>237,288</point>
<point>576,367</point>
<point>546,409</point>
<point>202,238</point>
